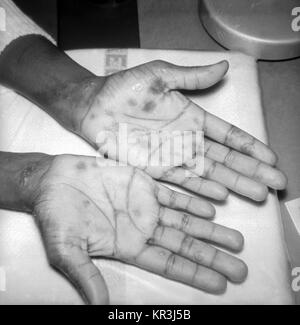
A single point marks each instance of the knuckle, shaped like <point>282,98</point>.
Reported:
<point>229,158</point>
<point>187,245</point>
<point>185,222</point>
<point>248,148</point>
<point>170,264</point>
<point>159,234</point>
<point>211,169</point>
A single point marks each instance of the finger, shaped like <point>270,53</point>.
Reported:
<point>233,137</point>
<point>176,200</point>
<point>233,180</point>
<point>203,229</point>
<point>77,266</point>
<point>245,165</point>
<point>200,252</point>
<point>162,262</point>
<point>191,78</point>
<point>194,183</point>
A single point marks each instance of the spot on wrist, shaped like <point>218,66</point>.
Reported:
<point>27,173</point>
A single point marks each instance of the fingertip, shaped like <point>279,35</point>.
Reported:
<point>237,241</point>
<point>239,272</point>
<point>221,193</point>
<point>203,208</point>
<point>209,211</point>
<point>260,193</point>
<point>280,182</point>
<point>219,285</point>
<point>273,158</point>
<point>270,158</point>
<point>225,66</point>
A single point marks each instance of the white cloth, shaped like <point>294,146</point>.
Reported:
<point>14,23</point>
<point>25,128</point>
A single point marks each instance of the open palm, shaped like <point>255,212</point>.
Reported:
<point>87,208</point>
<point>145,99</point>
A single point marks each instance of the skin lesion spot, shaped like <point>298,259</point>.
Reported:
<point>27,172</point>
<point>196,121</point>
<point>92,116</point>
<point>86,203</point>
<point>87,223</point>
<point>149,106</point>
<point>132,102</point>
<point>158,86</point>
<point>248,148</point>
<point>81,165</point>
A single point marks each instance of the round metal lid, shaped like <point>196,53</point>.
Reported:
<point>265,29</point>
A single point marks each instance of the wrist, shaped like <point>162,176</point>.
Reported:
<point>21,175</point>
<point>76,99</point>
<point>37,69</point>
<point>31,178</point>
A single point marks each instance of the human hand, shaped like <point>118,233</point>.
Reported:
<point>87,209</point>
<point>145,98</point>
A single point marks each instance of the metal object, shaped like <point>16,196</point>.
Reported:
<point>265,29</point>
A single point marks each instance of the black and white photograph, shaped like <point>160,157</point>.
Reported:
<point>150,154</point>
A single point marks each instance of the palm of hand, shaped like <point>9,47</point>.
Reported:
<point>101,212</point>
<point>142,104</point>
<point>145,100</point>
<point>102,217</point>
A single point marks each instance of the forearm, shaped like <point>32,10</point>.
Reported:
<point>37,69</point>
<point>20,174</point>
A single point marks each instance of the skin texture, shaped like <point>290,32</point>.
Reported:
<point>146,98</point>
<point>85,210</point>
<point>162,232</point>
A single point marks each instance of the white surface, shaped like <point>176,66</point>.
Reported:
<point>25,128</point>
<point>292,233</point>
<point>293,207</point>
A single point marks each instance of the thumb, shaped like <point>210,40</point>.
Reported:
<point>77,266</point>
<point>192,78</point>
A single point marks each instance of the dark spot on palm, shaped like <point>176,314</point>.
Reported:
<point>196,121</point>
<point>81,165</point>
<point>149,106</point>
<point>86,203</point>
<point>132,102</point>
<point>157,87</point>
